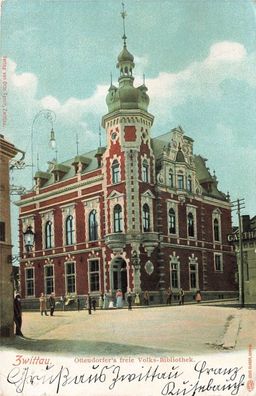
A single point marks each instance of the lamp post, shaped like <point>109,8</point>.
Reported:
<point>50,116</point>
<point>29,239</point>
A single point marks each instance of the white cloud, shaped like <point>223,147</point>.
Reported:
<point>226,60</point>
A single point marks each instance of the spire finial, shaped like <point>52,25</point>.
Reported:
<point>123,15</point>
<point>111,81</point>
<point>143,79</point>
<point>77,144</point>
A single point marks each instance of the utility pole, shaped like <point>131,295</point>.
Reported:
<point>238,205</point>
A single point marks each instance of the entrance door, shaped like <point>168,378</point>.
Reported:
<point>119,275</point>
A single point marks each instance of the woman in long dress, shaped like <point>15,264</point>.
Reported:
<point>119,299</point>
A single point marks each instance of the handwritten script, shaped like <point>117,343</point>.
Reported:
<point>173,381</point>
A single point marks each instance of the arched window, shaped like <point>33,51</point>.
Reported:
<point>69,230</point>
<point>171,184</point>
<point>145,175</point>
<point>93,226</point>
<point>118,219</point>
<point>172,221</point>
<point>146,218</point>
<point>115,172</point>
<point>189,184</point>
<point>191,226</point>
<point>180,182</point>
<point>216,227</point>
<point>48,235</point>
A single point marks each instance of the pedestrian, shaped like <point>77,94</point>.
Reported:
<point>181,297</point>
<point>52,303</point>
<point>137,299</point>
<point>198,296</point>
<point>129,300</point>
<point>146,297</point>
<point>42,302</point>
<point>89,304</point>
<point>78,303</point>
<point>101,300</point>
<point>119,299</point>
<point>62,300</point>
<point>169,296</point>
<point>105,301</point>
<point>94,303</point>
<point>17,315</point>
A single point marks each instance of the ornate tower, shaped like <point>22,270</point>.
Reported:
<point>129,164</point>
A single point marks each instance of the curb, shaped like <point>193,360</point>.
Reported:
<point>230,336</point>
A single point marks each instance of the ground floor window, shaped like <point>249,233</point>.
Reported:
<point>49,279</point>
<point>70,277</point>
<point>193,276</point>
<point>175,276</point>
<point>94,275</point>
<point>218,263</point>
<point>30,282</point>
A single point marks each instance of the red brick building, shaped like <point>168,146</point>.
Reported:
<point>141,213</point>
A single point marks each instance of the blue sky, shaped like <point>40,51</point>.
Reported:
<point>198,57</point>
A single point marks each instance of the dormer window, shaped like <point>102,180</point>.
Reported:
<point>115,172</point>
<point>145,171</point>
<point>170,179</point>
<point>180,182</point>
<point>189,184</point>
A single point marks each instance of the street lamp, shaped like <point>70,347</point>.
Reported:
<point>50,116</point>
<point>29,239</point>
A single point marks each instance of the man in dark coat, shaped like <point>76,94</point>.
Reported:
<point>52,303</point>
<point>129,300</point>
<point>17,314</point>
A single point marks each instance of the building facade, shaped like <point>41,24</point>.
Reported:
<point>141,213</point>
<point>7,152</point>
<point>248,243</point>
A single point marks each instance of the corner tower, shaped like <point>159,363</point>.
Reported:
<point>129,162</point>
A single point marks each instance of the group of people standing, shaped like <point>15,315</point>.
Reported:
<point>43,304</point>
<point>181,296</point>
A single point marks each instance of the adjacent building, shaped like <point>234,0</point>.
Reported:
<point>248,244</point>
<point>7,152</point>
<point>141,213</point>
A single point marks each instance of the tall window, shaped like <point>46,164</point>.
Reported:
<point>189,184</point>
<point>216,227</point>
<point>145,175</point>
<point>2,231</point>
<point>48,235</point>
<point>193,274</point>
<point>218,262</point>
<point>146,218</point>
<point>93,226</point>
<point>118,219</point>
<point>191,225</point>
<point>70,278</point>
<point>94,275</point>
<point>175,276</point>
<point>115,172</point>
<point>170,177</point>
<point>30,287</point>
<point>172,221</point>
<point>48,277</point>
<point>180,182</point>
<point>69,230</point>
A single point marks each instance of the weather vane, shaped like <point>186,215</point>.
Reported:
<point>123,15</point>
